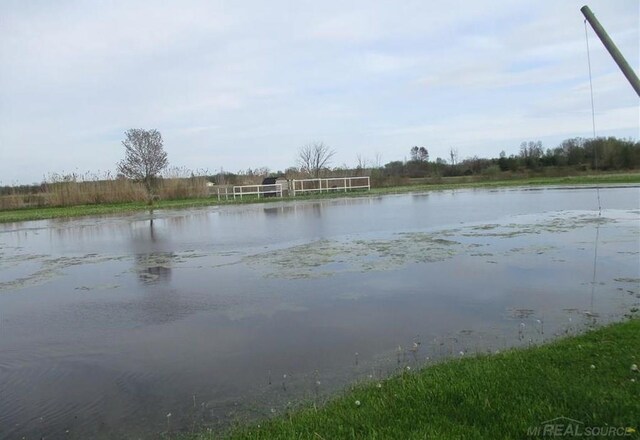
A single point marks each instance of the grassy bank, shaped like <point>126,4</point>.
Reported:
<point>588,378</point>
<point>25,214</point>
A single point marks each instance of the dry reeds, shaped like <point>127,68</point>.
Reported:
<point>92,189</point>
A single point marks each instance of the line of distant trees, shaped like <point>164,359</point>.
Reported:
<point>603,154</point>
<point>571,156</point>
<point>314,160</point>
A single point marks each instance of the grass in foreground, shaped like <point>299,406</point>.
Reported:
<point>27,214</point>
<point>586,378</point>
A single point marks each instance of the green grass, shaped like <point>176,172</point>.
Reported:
<point>26,214</point>
<point>486,397</point>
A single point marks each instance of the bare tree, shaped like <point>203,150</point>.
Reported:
<point>419,154</point>
<point>377,160</point>
<point>414,153</point>
<point>453,153</point>
<point>314,157</point>
<point>144,156</point>
<point>361,164</point>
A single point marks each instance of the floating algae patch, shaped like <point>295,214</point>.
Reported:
<point>530,250</point>
<point>46,268</point>
<point>98,287</point>
<point>328,257</point>
<point>562,223</point>
<point>520,313</point>
<point>325,258</point>
<point>627,280</point>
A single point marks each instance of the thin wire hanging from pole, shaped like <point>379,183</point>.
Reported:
<point>593,115</point>
<point>593,111</point>
<point>595,157</point>
<point>595,261</point>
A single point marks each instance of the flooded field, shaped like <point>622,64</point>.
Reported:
<point>132,326</point>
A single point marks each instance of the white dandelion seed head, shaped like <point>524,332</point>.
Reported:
<point>169,415</point>
<point>318,382</point>
<point>357,403</point>
<point>634,367</point>
<point>462,353</point>
<point>408,368</point>
<point>380,385</point>
<point>593,367</point>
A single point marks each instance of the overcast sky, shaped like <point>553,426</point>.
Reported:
<point>242,84</point>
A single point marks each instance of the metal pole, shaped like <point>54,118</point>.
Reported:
<point>613,50</point>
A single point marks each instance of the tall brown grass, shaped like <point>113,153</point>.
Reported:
<point>89,189</point>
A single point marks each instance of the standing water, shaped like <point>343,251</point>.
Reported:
<point>133,326</point>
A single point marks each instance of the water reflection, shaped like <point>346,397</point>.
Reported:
<point>152,263</point>
<point>153,268</point>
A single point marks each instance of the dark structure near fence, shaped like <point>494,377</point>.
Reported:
<point>272,190</point>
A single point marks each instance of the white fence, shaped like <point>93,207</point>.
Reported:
<point>328,185</point>
<point>259,190</point>
<point>223,191</point>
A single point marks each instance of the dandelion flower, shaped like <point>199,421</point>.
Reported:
<point>593,367</point>
<point>357,403</point>
<point>634,367</point>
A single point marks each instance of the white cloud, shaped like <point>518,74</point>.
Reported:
<point>244,84</point>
